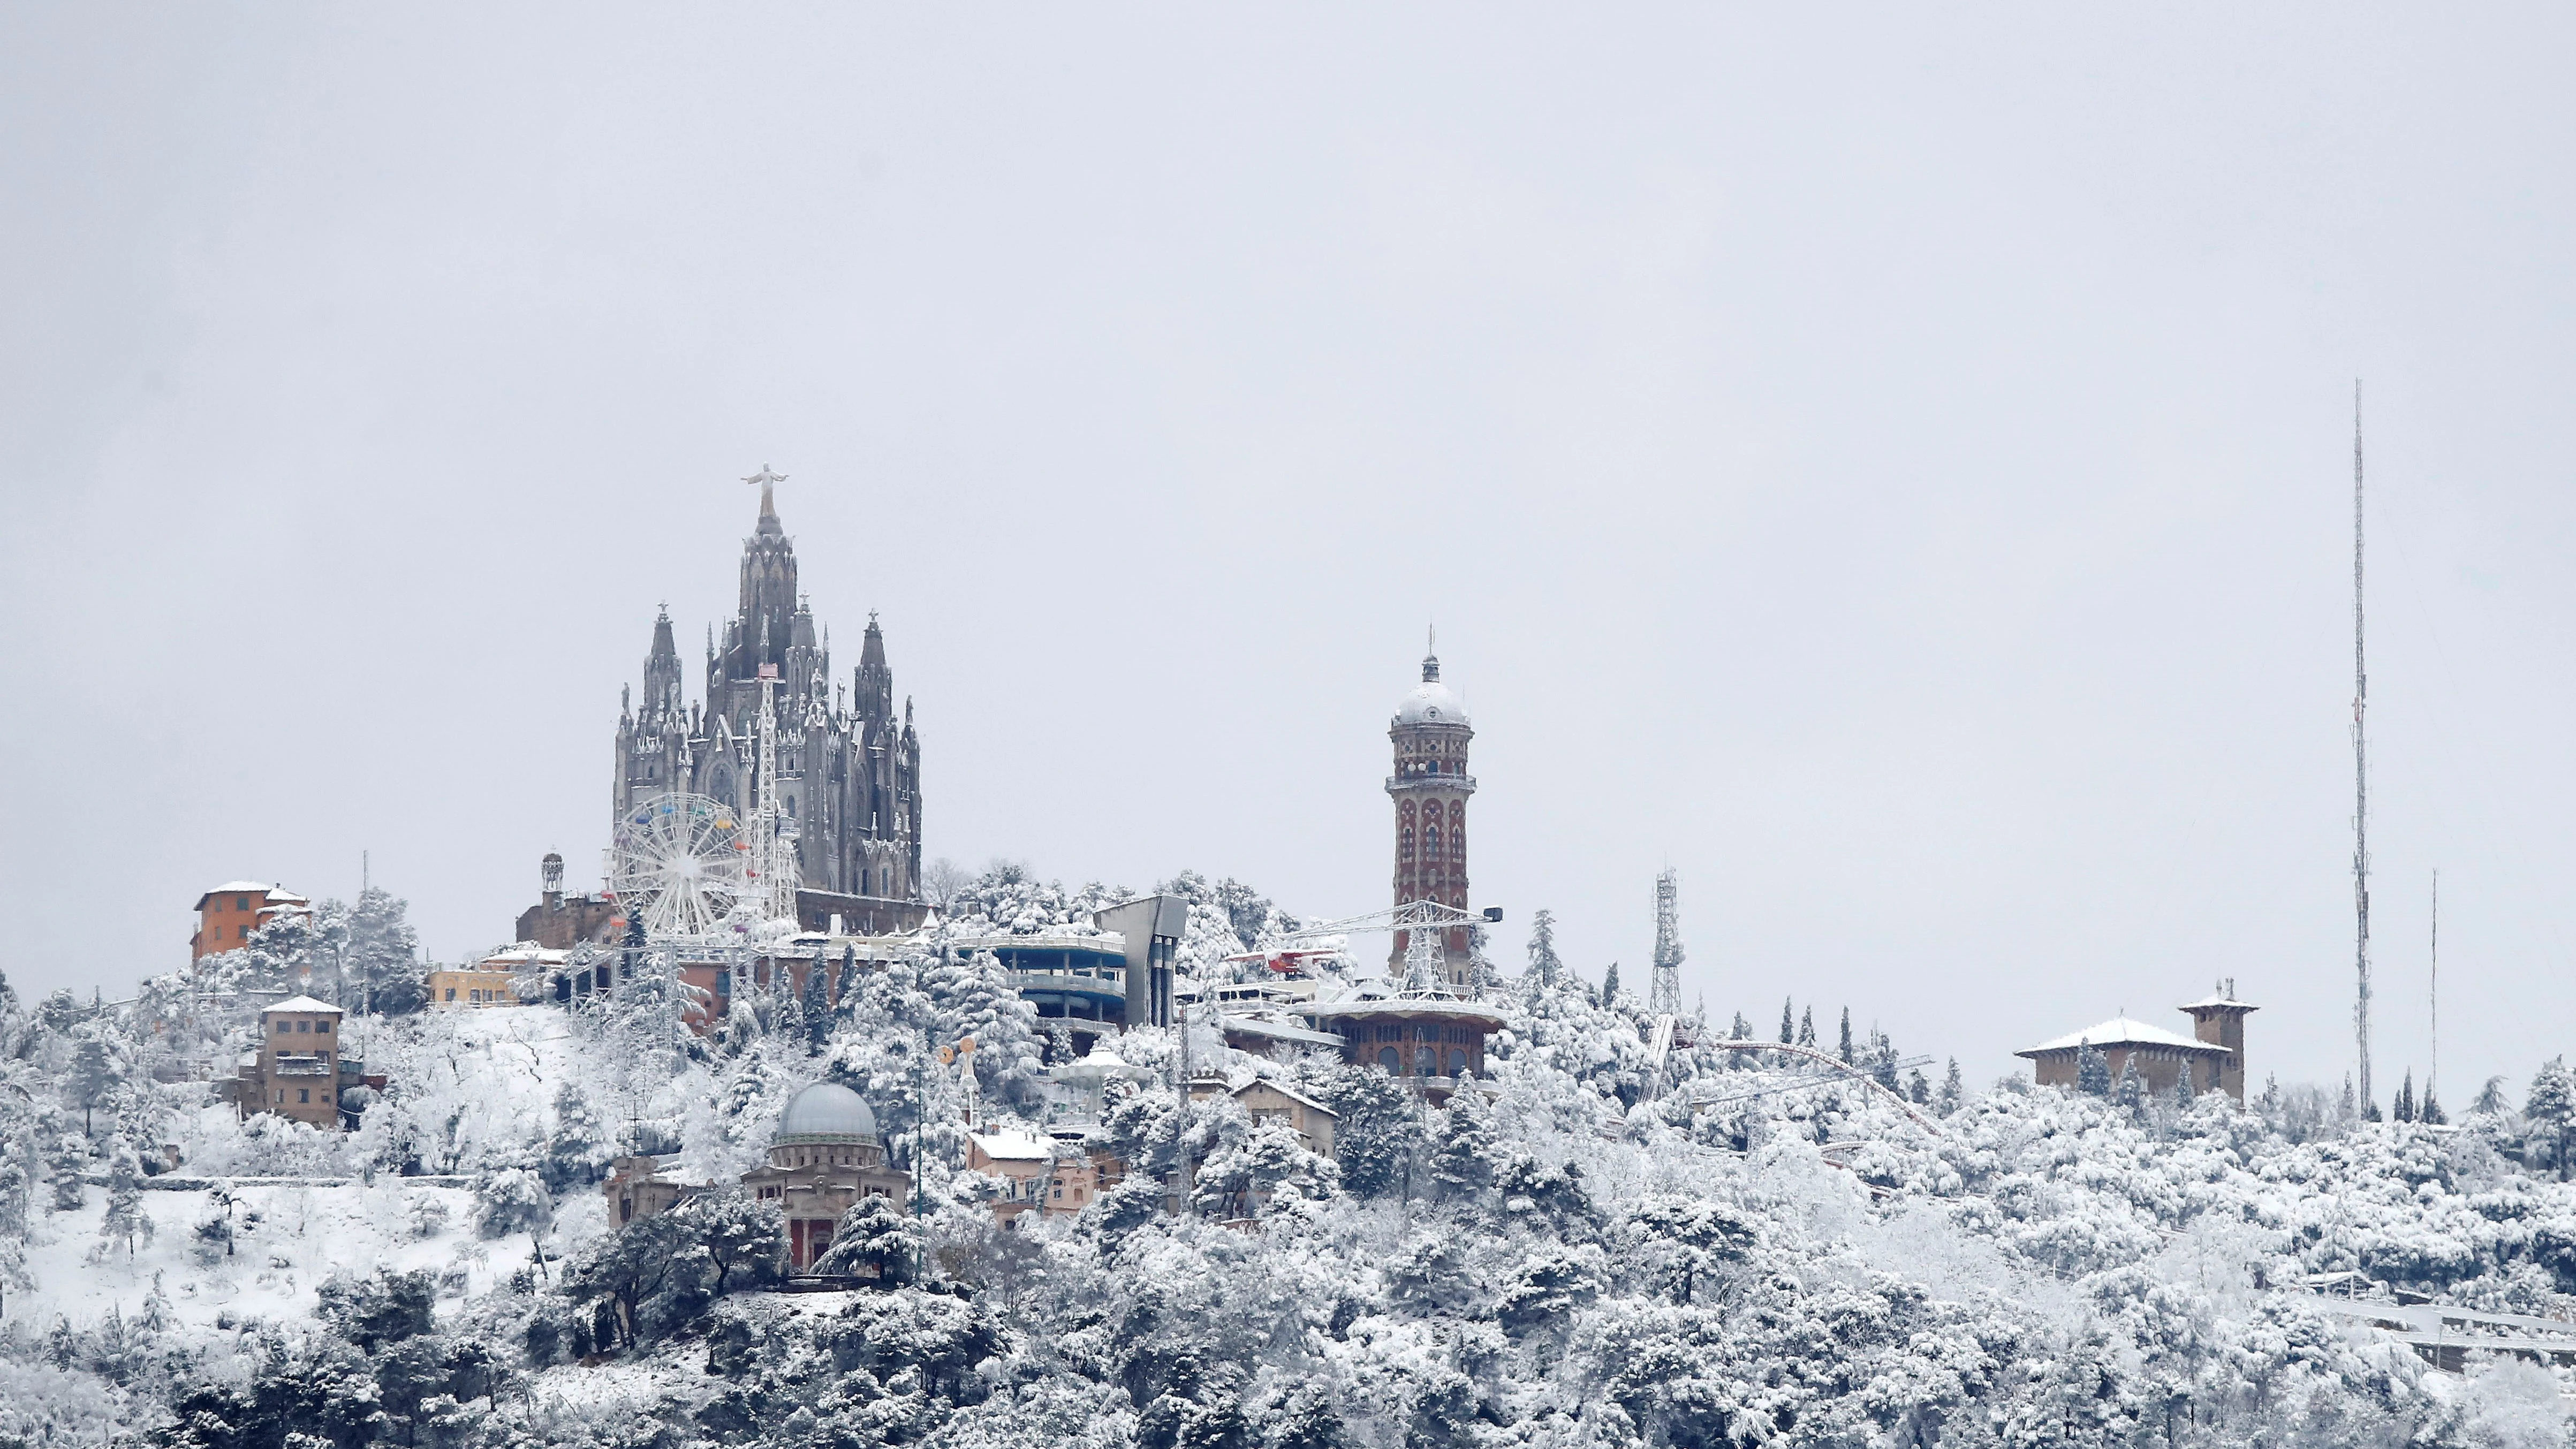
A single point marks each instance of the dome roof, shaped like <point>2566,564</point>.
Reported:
<point>827,1112</point>
<point>1431,702</point>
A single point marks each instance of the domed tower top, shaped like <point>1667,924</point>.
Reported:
<point>1431,702</point>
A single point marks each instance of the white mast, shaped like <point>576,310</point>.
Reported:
<point>2360,783</point>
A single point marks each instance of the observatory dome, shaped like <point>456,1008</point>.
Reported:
<point>827,1112</point>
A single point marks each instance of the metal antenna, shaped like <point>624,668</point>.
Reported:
<point>2360,781</point>
<point>2436,989</point>
<point>1664,993</point>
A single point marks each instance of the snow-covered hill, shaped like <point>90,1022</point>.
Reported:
<point>1733,1249</point>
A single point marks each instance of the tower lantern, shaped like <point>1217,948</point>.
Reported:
<point>1430,787</point>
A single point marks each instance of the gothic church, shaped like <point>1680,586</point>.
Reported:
<point>849,773</point>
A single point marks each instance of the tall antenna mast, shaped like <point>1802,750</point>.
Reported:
<point>1664,992</point>
<point>2436,990</point>
<point>2360,782</point>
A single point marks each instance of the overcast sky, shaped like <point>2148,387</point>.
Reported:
<point>1892,466</point>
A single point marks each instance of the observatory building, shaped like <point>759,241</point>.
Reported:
<point>848,769</point>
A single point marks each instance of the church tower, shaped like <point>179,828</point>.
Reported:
<point>848,776</point>
<point>1430,787</point>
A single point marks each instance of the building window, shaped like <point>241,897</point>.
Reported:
<point>304,1094</point>
<point>1386,1059</point>
<point>451,993</point>
<point>304,1026</point>
<point>322,1026</point>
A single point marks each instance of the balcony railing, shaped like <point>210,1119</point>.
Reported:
<point>300,1066</point>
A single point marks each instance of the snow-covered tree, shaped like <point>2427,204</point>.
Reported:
<point>384,953</point>
<point>2092,1071</point>
<point>125,1220</point>
<point>1543,961</point>
<point>2551,1110</point>
<point>874,1239</point>
<point>94,1077</point>
<point>2131,1090</point>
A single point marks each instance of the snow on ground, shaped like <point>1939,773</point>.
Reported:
<point>288,1240</point>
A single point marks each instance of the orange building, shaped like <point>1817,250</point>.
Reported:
<point>228,914</point>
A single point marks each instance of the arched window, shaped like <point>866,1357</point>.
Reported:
<point>1406,849</point>
<point>1431,843</point>
<point>1386,1059</point>
<point>1425,1061</point>
<point>1458,1064</point>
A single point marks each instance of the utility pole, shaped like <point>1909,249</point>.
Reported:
<point>2360,783</point>
<point>2435,991</point>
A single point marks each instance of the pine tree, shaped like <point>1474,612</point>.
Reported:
<point>2183,1095</point>
<point>125,1220</point>
<point>2490,1099</point>
<point>383,949</point>
<point>2429,1110</point>
<point>1846,1051</point>
<point>1807,1027</point>
<point>63,1169</point>
<point>1952,1090</point>
<point>1462,1166</point>
<point>1742,1030</point>
<point>2131,1093</point>
<point>1882,1054</point>
<point>93,1076</point>
<point>818,1005</point>
<point>1610,986</point>
<point>2403,1109</point>
<point>1788,1027</point>
<point>2551,1109</point>
<point>1918,1088</point>
<point>2269,1104</point>
<point>2344,1109</point>
<point>1544,967</point>
<point>2092,1071</point>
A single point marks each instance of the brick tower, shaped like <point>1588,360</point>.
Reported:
<point>1430,787</point>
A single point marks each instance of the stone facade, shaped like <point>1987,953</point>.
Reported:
<point>849,770</point>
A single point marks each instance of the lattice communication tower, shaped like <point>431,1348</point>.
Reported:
<point>1664,994</point>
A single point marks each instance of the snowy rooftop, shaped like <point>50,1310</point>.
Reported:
<point>1012,1146</point>
<point>1263,1026</point>
<point>1049,938</point>
<point>301,1003</point>
<point>231,886</point>
<point>2122,1031</point>
<point>2218,1001</point>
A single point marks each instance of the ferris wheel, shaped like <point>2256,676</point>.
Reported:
<point>677,863</point>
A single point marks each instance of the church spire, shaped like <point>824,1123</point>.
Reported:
<point>1431,657</point>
